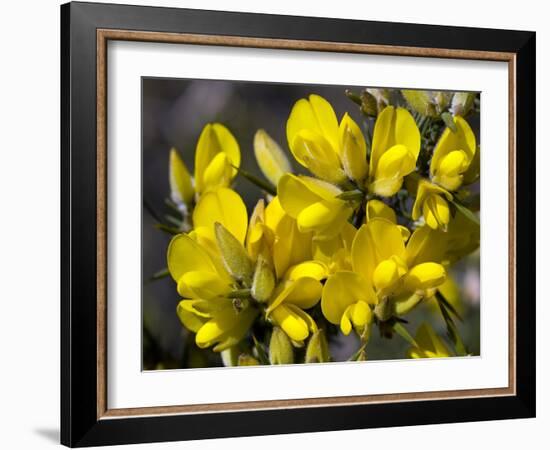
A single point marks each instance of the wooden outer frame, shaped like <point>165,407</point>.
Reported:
<point>86,420</point>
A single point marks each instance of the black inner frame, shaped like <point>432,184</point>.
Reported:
<point>79,423</point>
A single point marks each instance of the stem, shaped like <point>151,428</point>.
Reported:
<point>262,184</point>
<point>355,194</point>
<point>239,293</point>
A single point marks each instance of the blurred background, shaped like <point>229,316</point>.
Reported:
<point>174,112</point>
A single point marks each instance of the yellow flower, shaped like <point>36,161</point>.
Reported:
<point>430,345</point>
<point>432,203</point>
<point>314,205</point>
<point>298,290</point>
<point>204,284</point>
<point>461,238</point>
<point>216,323</point>
<point>383,268</point>
<point>216,156</point>
<point>453,155</point>
<point>331,151</point>
<point>376,208</point>
<point>289,246</point>
<point>196,261</point>
<point>395,148</point>
<point>346,299</point>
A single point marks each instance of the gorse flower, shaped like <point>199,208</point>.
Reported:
<point>453,156</point>
<point>331,151</point>
<point>373,230</point>
<point>196,262</point>
<point>384,273</point>
<point>395,149</point>
<point>217,158</point>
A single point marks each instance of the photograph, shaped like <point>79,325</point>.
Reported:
<point>305,223</point>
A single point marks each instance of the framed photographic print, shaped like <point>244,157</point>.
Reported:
<point>276,224</point>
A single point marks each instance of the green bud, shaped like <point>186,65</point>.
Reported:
<point>462,103</point>
<point>369,104</point>
<point>247,360</point>
<point>263,282</point>
<point>317,348</point>
<point>353,97</point>
<point>280,348</point>
<point>382,97</point>
<point>234,256</point>
<point>421,101</point>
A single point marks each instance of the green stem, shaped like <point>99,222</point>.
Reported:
<point>262,184</point>
<point>355,194</point>
<point>239,293</point>
<point>358,352</point>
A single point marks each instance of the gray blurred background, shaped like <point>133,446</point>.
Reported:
<point>174,112</point>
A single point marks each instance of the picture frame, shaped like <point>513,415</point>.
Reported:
<point>86,30</point>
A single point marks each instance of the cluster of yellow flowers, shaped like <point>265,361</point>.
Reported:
<point>339,248</point>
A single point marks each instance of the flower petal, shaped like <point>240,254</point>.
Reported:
<point>376,241</point>
<point>214,138</point>
<point>312,269</point>
<point>341,290</point>
<point>224,206</point>
<point>204,285</point>
<point>394,126</point>
<point>425,276</point>
<point>185,255</point>
<point>294,324</point>
<point>377,208</point>
<point>327,217</point>
<point>463,139</point>
<point>353,149</point>
<point>218,173</point>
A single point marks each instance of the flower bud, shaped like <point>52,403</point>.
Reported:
<point>381,96</point>
<point>270,157</point>
<point>280,348</point>
<point>234,256</point>
<point>420,101</point>
<point>181,184</point>
<point>462,103</point>
<point>317,348</point>
<point>263,282</point>
<point>369,105</point>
